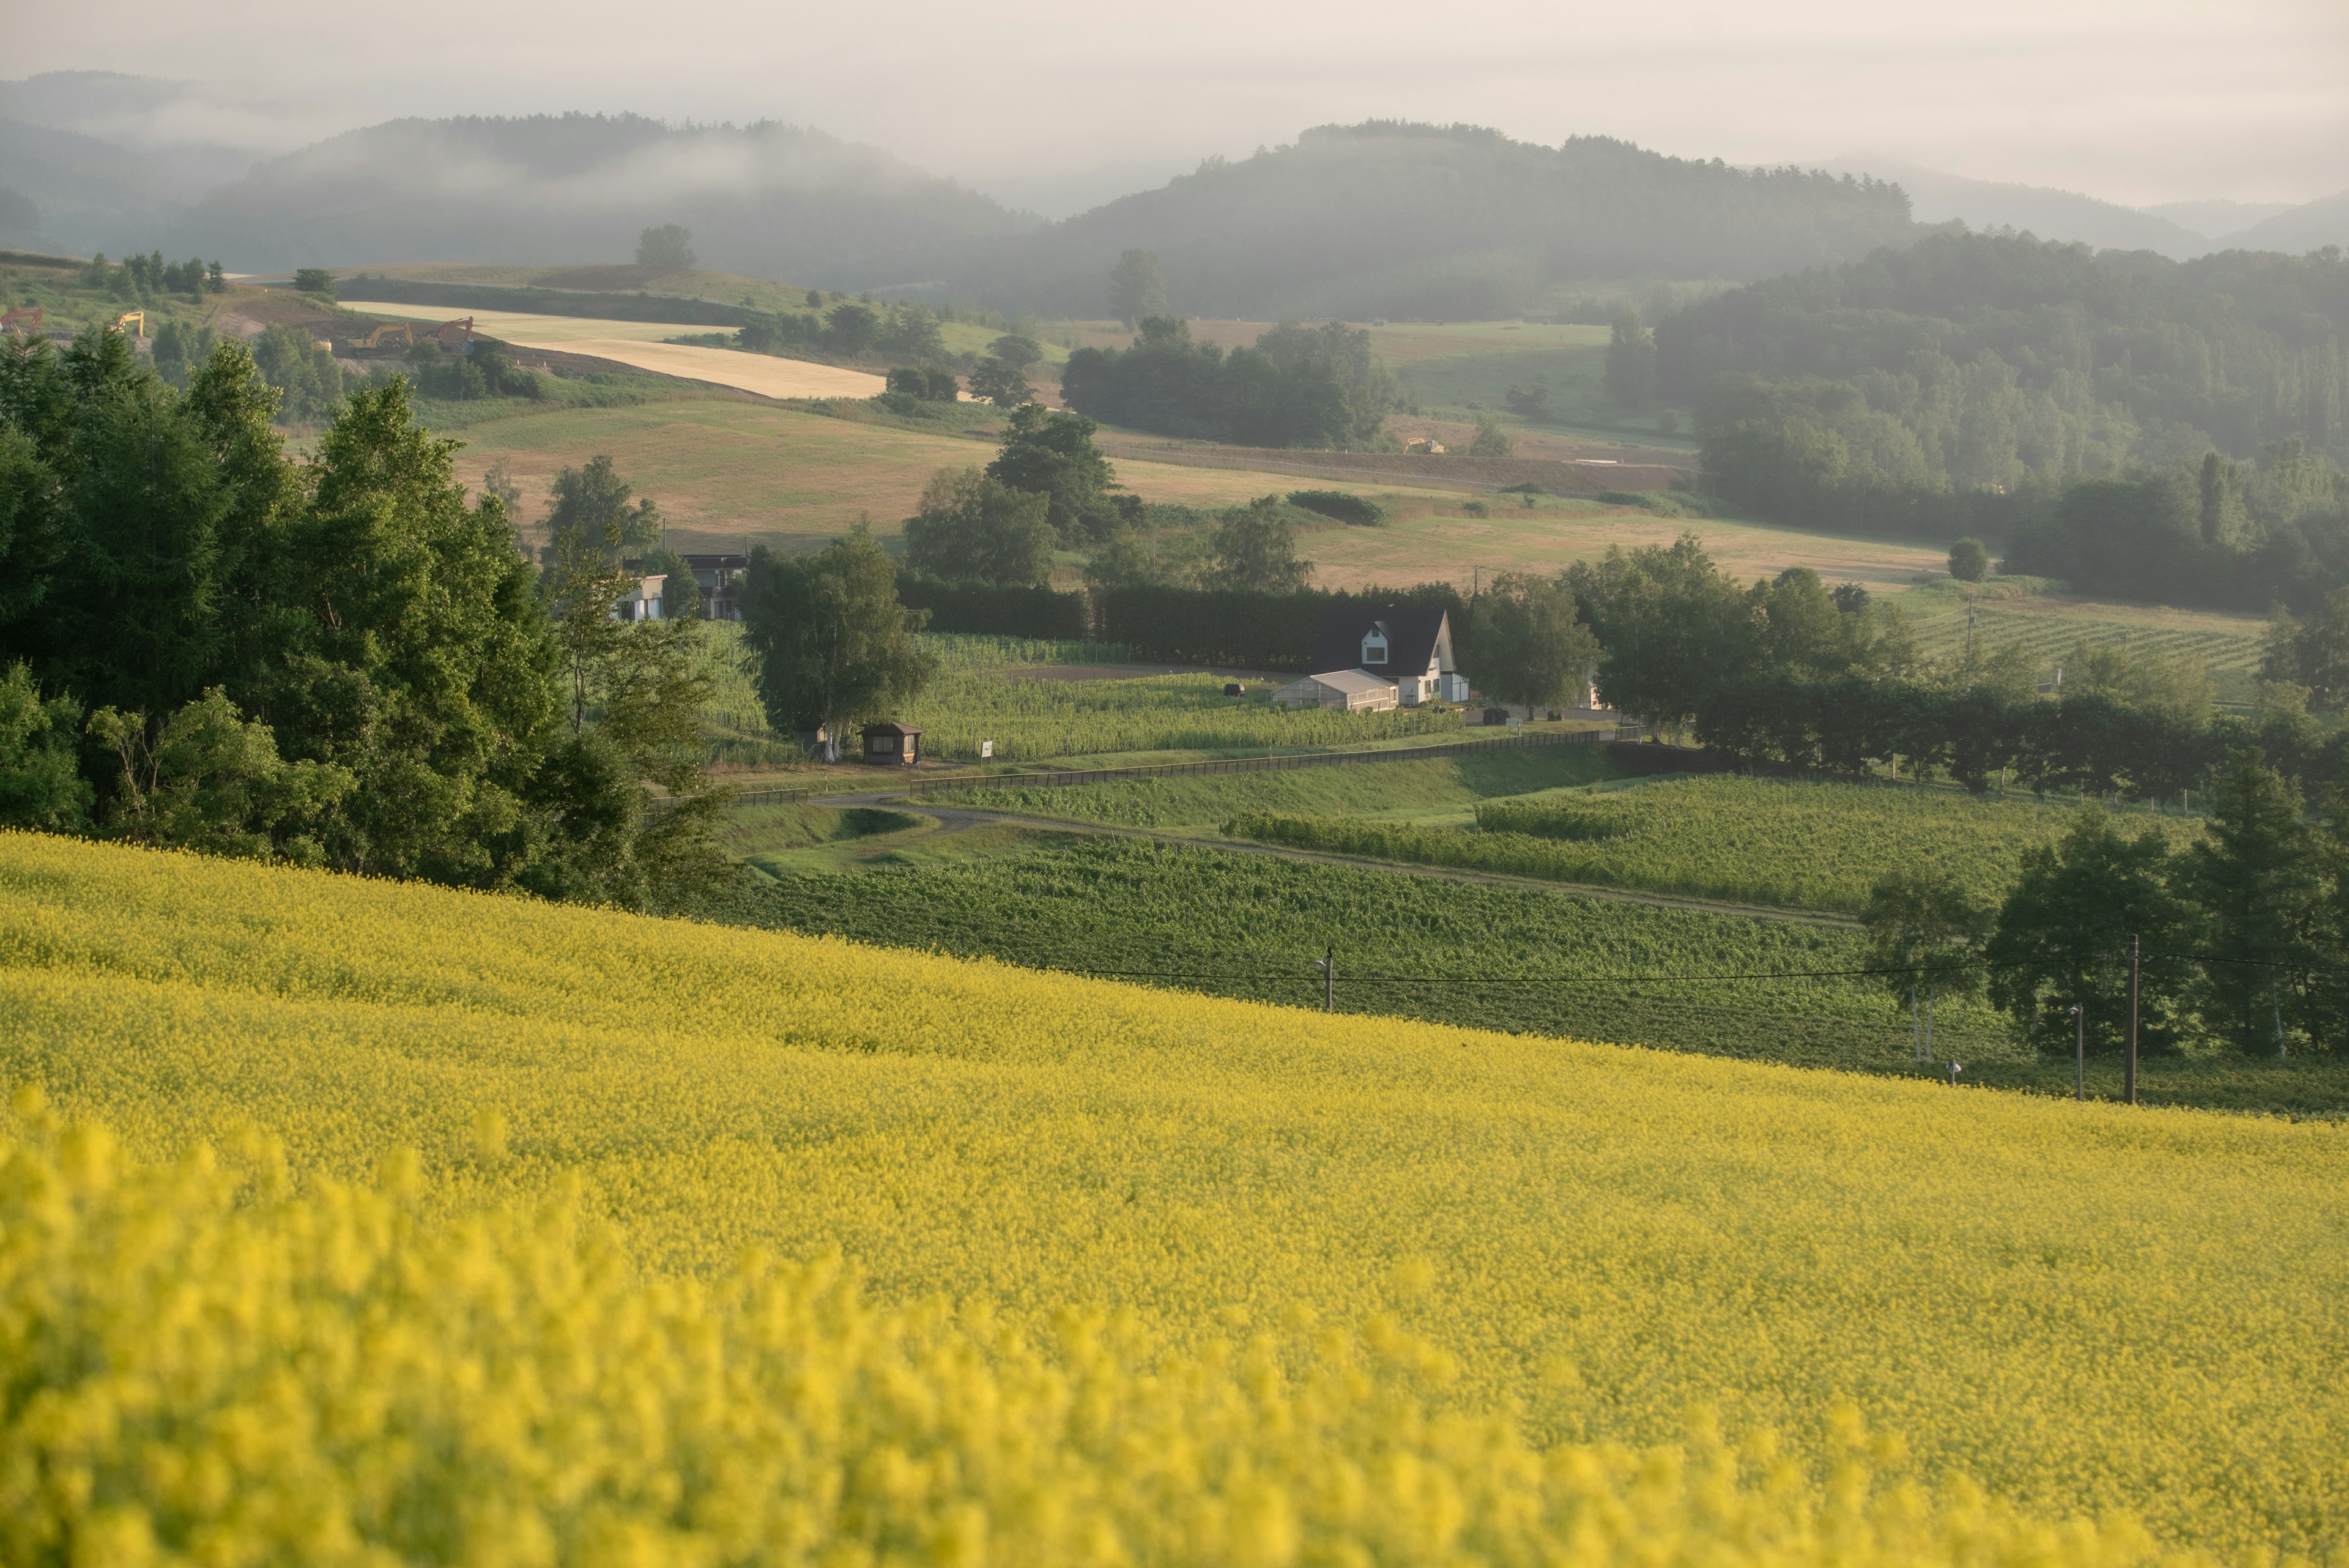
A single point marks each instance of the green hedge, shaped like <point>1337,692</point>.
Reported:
<point>1234,627</point>
<point>997,609</point>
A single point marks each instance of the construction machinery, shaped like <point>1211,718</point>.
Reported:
<point>385,334</point>
<point>127,318</point>
<point>26,321</point>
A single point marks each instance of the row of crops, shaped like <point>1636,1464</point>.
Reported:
<point>1757,841</point>
<point>429,1240</point>
<point>978,698</point>
<point>2049,636</point>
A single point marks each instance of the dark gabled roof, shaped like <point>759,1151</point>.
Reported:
<point>887,727</point>
<point>1411,630</point>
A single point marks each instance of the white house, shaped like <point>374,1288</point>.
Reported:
<point>1408,646</point>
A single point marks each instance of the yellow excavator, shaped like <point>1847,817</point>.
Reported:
<point>128,317</point>
<point>388,332</point>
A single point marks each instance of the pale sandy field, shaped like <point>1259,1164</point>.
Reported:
<point>639,344</point>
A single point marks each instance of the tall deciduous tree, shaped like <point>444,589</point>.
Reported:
<point>669,245</point>
<point>1136,287</point>
<point>973,528</point>
<point>1053,456</point>
<point>408,646</point>
<point>2062,933</point>
<point>1255,549</point>
<point>833,646</point>
<point>1531,644</point>
<point>1925,932</point>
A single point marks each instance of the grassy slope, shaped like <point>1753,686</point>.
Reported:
<point>1605,1237</point>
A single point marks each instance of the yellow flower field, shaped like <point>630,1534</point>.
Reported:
<point>1146,1277</point>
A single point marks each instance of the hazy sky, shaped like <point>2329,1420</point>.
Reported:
<point>1056,104</point>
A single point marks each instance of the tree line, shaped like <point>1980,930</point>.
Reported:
<point>338,660</point>
<point>2240,938</point>
<point>1316,387</point>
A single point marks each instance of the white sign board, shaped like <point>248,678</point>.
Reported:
<point>1516,722</point>
<point>986,749</point>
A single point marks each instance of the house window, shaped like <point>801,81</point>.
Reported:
<point>1374,649</point>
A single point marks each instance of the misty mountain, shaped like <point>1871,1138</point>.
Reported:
<point>1936,197</point>
<point>2217,218</point>
<point>2295,232</point>
<point>96,196</point>
<point>143,112</point>
<point>767,199</point>
<point>1389,219</point>
<point>110,161</point>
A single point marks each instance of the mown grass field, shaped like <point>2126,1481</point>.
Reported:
<point>989,690</point>
<point>1496,1246</point>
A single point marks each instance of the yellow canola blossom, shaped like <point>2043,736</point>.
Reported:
<point>2086,1311</point>
<point>324,1380</point>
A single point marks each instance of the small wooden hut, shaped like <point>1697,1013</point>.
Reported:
<point>892,744</point>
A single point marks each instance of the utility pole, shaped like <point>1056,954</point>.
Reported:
<point>1328,967</point>
<point>2079,1052</point>
<point>2128,1090</point>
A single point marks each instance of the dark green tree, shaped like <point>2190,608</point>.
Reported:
<point>590,503</point>
<point>41,784</point>
<point>851,329</point>
<point>669,246</point>
<point>1016,349</point>
<point>314,280</point>
<point>1053,456</point>
<point>2061,939</point>
<point>210,780</point>
<point>972,529</point>
<point>1925,934</point>
<point>1000,383</point>
<point>2252,882</point>
<point>1254,548</point>
<point>1969,561</point>
<point>407,644</point>
<point>833,645</point>
<point>1671,624</point>
<point>1531,645</point>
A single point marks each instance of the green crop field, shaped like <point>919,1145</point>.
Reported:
<point>2050,628</point>
<point>1755,841</point>
<point>1450,952</point>
<point>1761,841</point>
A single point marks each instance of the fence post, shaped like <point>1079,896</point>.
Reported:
<point>2130,1088</point>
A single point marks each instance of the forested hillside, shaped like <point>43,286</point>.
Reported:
<point>766,200</point>
<point>1441,222</point>
<point>1959,383</point>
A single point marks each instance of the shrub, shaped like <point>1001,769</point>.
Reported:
<point>1356,510</point>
